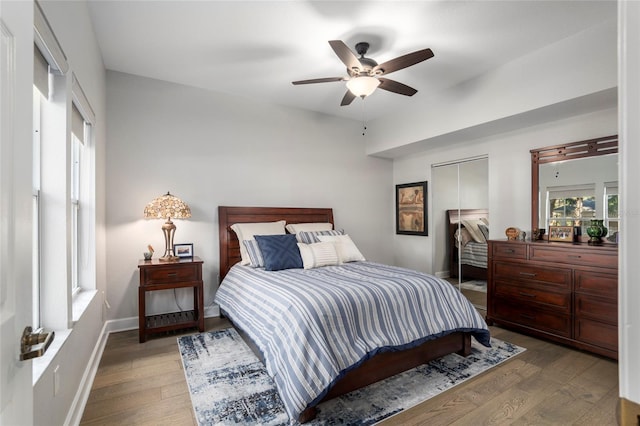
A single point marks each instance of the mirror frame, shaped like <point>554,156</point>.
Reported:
<point>569,151</point>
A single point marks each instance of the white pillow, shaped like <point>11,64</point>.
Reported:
<point>295,228</point>
<point>318,254</point>
<point>246,231</point>
<point>463,236</point>
<point>346,248</point>
<point>474,231</point>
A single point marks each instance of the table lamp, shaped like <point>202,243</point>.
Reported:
<point>166,207</point>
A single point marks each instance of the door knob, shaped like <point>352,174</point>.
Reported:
<point>34,344</point>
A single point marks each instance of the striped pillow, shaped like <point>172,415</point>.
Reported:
<point>310,237</point>
<point>345,247</point>
<point>255,255</point>
<point>318,254</point>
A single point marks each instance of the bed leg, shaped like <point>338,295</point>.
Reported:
<point>308,414</point>
<point>466,345</point>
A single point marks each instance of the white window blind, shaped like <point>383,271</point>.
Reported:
<point>572,191</point>
<point>77,124</point>
<point>47,42</point>
<point>40,72</point>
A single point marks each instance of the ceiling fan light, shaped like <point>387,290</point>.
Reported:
<point>362,86</point>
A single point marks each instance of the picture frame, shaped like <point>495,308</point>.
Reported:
<point>411,209</point>
<point>183,251</point>
<point>561,233</point>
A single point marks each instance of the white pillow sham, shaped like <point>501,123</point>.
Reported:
<point>346,248</point>
<point>474,231</point>
<point>318,254</point>
<point>247,231</point>
<point>295,228</point>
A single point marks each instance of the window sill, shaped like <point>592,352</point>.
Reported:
<point>80,302</point>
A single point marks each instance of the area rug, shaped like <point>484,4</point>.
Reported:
<point>229,384</point>
<point>475,285</point>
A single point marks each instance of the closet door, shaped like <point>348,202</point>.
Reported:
<point>460,186</point>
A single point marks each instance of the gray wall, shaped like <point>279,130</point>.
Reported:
<point>509,176</point>
<point>212,149</point>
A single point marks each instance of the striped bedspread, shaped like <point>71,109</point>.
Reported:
<point>474,254</point>
<point>312,325</point>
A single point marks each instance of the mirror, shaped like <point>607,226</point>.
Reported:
<point>581,179</point>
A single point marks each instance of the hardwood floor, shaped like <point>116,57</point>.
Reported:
<point>549,384</point>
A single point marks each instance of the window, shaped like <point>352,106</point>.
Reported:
<point>571,205</point>
<point>611,217</point>
<point>82,192</point>
<point>36,236</point>
<point>63,187</point>
<point>77,145</point>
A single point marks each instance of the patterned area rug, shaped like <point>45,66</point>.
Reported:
<point>475,285</point>
<point>229,385</point>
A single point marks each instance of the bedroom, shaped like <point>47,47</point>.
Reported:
<point>149,123</point>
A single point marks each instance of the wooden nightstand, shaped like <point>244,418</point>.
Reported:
<point>156,275</point>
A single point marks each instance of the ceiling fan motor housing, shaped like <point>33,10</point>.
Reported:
<point>367,63</point>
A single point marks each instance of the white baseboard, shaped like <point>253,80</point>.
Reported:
<point>74,416</point>
<point>442,274</point>
<point>112,326</point>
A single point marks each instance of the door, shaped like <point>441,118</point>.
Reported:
<point>16,82</point>
<point>461,186</point>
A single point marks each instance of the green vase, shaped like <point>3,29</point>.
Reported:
<point>596,231</point>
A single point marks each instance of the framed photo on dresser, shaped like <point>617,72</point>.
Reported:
<point>561,233</point>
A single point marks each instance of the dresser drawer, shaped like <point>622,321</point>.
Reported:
<point>596,308</point>
<point>508,250</point>
<point>600,283</point>
<point>512,271</point>
<point>574,256</point>
<point>170,274</point>
<point>597,333</point>
<point>524,314</point>
<point>532,295</point>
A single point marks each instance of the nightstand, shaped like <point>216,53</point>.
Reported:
<point>156,275</point>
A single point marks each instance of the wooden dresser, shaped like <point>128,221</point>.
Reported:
<point>560,291</point>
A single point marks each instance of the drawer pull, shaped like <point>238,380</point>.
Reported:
<point>528,274</point>
<point>529,317</point>
<point>527,294</point>
<point>172,274</point>
<point>509,251</point>
<point>574,256</point>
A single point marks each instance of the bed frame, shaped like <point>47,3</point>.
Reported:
<point>374,369</point>
<point>453,218</point>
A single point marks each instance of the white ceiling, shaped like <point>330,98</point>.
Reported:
<point>255,49</point>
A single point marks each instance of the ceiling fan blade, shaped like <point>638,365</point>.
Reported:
<point>319,80</point>
<point>348,98</point>
<point>404,61</point>
<point>345,54</point>
<point>396,87</point>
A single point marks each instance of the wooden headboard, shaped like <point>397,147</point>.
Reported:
<point>227,216</point>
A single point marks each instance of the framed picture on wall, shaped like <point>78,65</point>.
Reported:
<point>411,208</point>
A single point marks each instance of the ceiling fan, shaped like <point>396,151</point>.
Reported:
<point>365,74</point>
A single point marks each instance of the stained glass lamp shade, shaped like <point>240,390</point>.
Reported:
<point>166,207</point>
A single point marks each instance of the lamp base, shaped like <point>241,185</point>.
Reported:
<point>169,259</point>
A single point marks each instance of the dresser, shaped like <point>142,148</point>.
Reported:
<point>559,291</point>
<point>156,275</point>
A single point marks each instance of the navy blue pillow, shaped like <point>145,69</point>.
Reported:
<point>279,251</point>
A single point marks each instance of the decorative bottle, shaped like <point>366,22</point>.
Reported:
<point>596,231</point>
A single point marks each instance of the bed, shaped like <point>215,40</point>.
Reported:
<point>375,365</point>
<point>473,260</point>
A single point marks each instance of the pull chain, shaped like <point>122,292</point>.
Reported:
<point>364,123</point>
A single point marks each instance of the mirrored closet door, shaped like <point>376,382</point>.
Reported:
<point>461,225</point>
